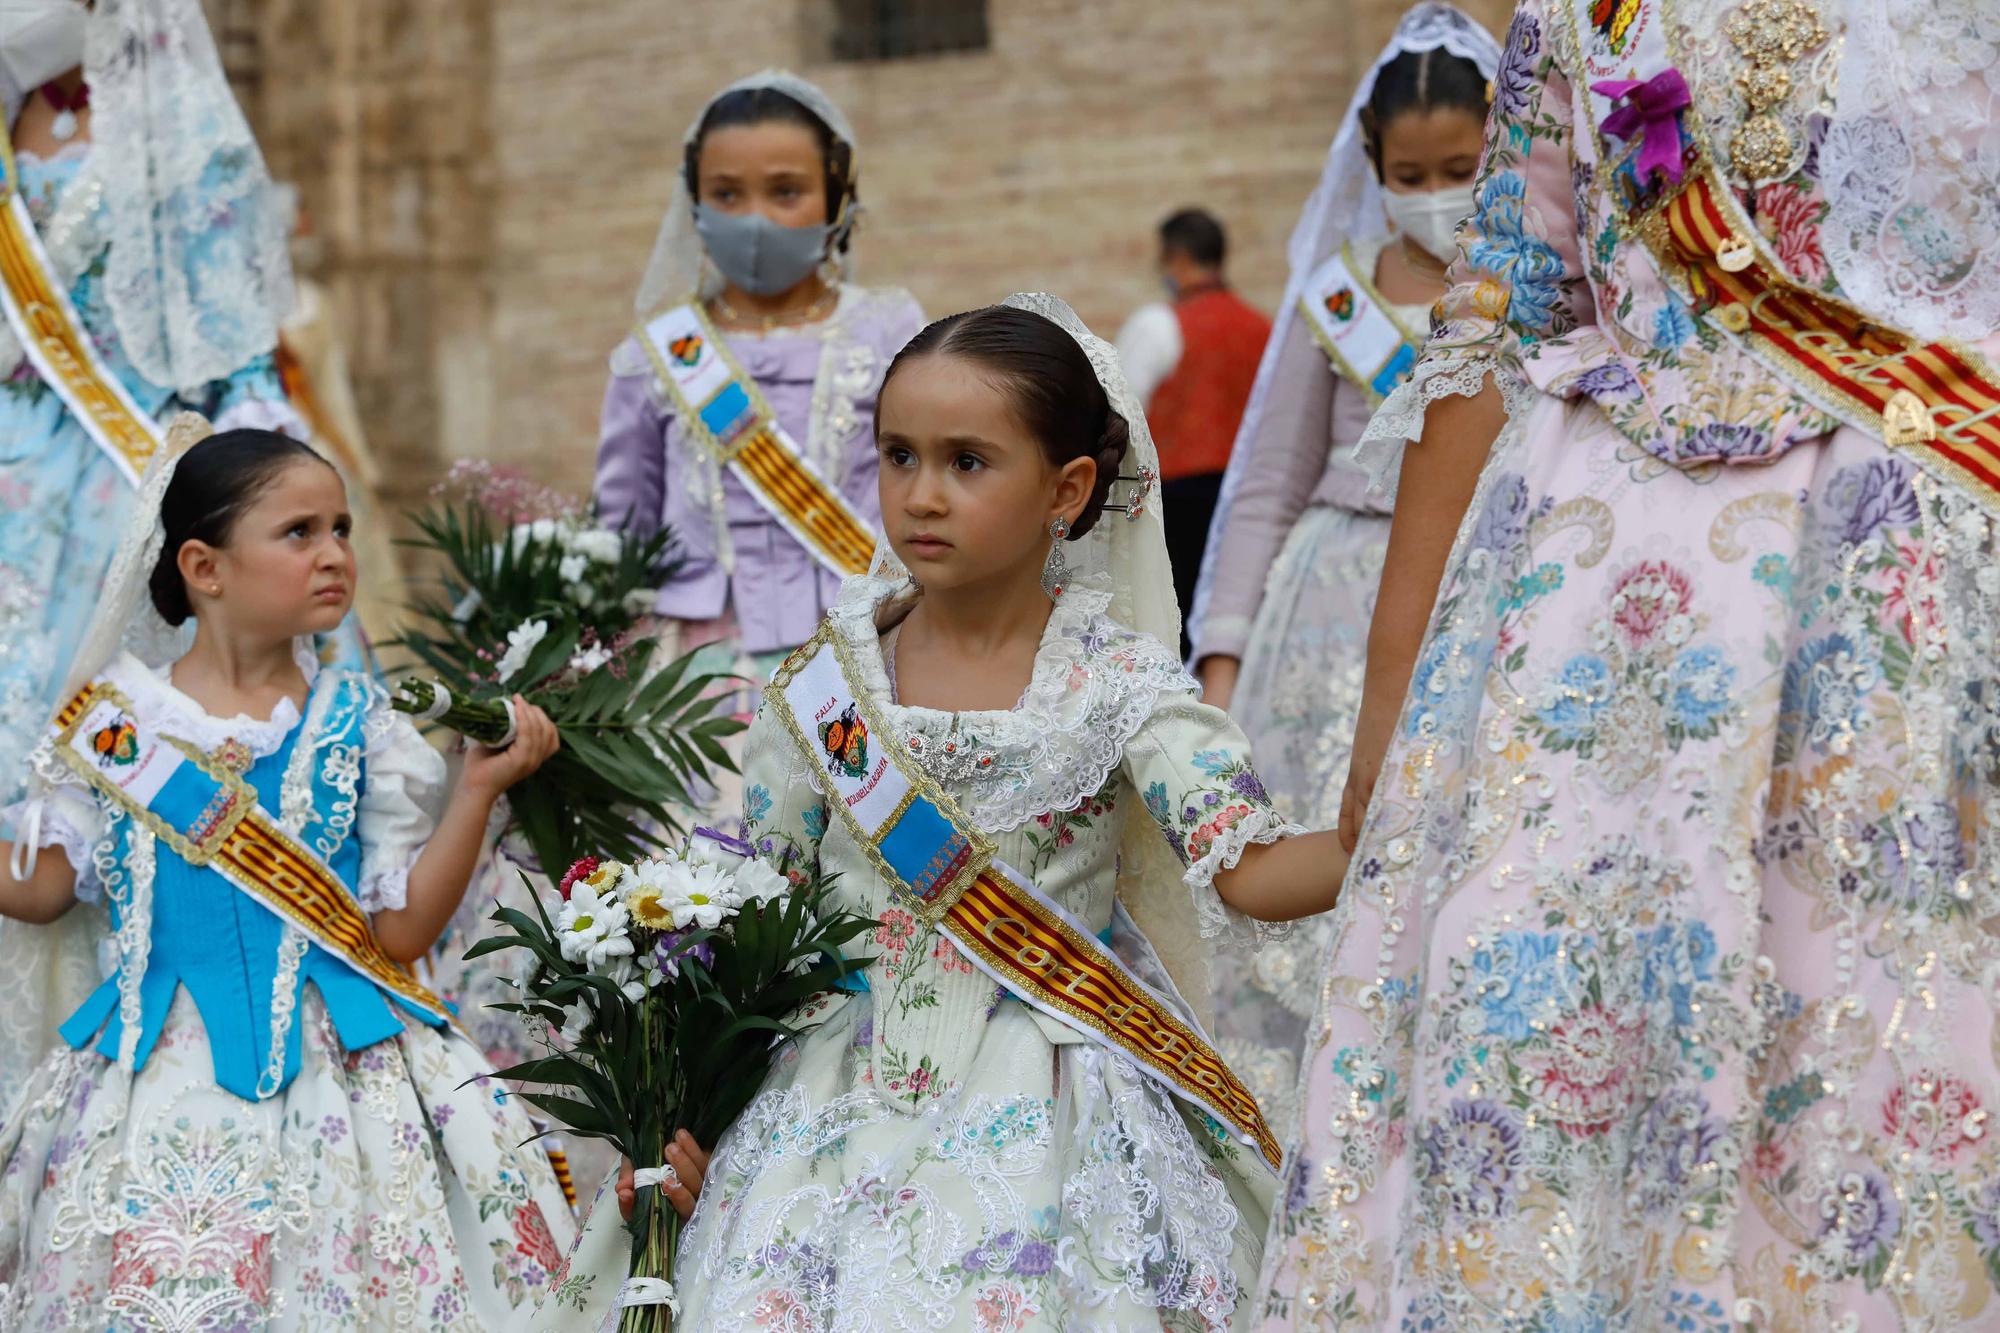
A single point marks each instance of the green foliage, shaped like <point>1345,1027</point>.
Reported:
<point>639,737</point>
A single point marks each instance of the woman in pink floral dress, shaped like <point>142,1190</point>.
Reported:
<point>1661,993</point>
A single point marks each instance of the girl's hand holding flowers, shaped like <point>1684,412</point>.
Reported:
<point>490,770</point>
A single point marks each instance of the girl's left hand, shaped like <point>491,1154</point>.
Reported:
<point>490,772</point>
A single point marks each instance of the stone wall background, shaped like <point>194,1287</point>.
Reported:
<point>484,177</point>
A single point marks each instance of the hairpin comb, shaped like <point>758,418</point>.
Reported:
<point>1142,487</point>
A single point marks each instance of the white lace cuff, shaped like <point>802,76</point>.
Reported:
<point>1218,917</point>
<point>1400,419</point>
<point>405,781</point>
<point>65,817</point>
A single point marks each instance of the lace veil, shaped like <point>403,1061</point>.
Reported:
<point>675,272</point>
<point>1910,164</point>
<point>1344,208</point>
<point>197,274</point>
<point>1127,553</point>
<point>47,971</point>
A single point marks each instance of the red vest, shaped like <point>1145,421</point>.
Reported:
<point>1195,411</point>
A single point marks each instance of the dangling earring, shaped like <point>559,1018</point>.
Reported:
<point>1055,573</point>
<point>829,271</point>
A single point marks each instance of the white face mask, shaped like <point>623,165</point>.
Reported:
<point>1430,219</point>
<point>40,39</point>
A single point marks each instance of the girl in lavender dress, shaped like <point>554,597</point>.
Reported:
<point>1281,612</point>
<point>756,241</point>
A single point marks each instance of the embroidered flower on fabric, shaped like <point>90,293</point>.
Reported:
<point>1515,80</point>
<point>1790,217</point>
<point>1865,497</point>
<point>1473,1155</point>
<point>1508,251</point>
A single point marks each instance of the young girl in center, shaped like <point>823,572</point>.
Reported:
<point>945,1150</point>
<point>259,1120</point>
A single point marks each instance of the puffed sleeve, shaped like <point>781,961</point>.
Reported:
<point>1518,286</point>
<point>1191,767</point>
<point>784,812</point>
<point>631,484</point>
<point>402,794</point>
<point>60,811</point>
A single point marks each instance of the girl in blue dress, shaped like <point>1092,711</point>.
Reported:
<point>260,1119</point>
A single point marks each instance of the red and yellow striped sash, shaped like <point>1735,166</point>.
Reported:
<point>1040,955</point>
<point>1936,401</point>
<point>847,542</point>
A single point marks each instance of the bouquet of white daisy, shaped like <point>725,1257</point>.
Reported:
<point>660,989</point>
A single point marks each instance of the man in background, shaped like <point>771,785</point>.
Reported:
<point>1192,361</point>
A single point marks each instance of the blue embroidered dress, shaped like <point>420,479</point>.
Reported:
<point>234,1087</point>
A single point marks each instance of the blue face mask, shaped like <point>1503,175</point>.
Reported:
<point>757,255</point>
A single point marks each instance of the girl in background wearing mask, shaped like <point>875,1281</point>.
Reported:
<point>1286,656</point>
<point>730,446</point>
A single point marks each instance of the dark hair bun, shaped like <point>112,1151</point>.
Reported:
<point>1112,445</point>
<point>214,482</point>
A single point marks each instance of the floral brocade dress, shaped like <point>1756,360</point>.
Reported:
<point>1662,989</point>
<point>934,1154</point>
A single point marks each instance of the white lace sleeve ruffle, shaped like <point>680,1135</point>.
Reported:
<point>400,802</point>
<point>1218,917</point>
<point>1400,419</point>
<point>65,815</point>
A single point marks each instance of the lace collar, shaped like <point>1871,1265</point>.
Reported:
<point>1093,685</point>
<point>153,690</point>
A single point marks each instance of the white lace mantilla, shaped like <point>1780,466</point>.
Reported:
<point>1094,685</point>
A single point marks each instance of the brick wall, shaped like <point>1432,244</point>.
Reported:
<point>487,175</point>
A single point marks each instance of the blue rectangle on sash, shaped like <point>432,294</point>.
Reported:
<point>923,848</point>
<point>728,412</point>
<point>1392,373</point>
<point>189,801</point>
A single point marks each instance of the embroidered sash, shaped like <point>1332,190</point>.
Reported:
<point>947,873</point>
<point>1939,401</point>
<point>211,817</point>
<point>56,343</point>
<point>724,413</point>
<point>1356,330</point>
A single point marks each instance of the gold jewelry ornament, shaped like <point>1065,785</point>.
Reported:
<point>1772,35</point>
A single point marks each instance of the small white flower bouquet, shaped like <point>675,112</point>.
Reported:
<point>661,989</point>
<point>536,597</point>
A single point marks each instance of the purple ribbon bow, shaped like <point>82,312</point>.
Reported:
<point>723,840</point>
<point>1652,112</point>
